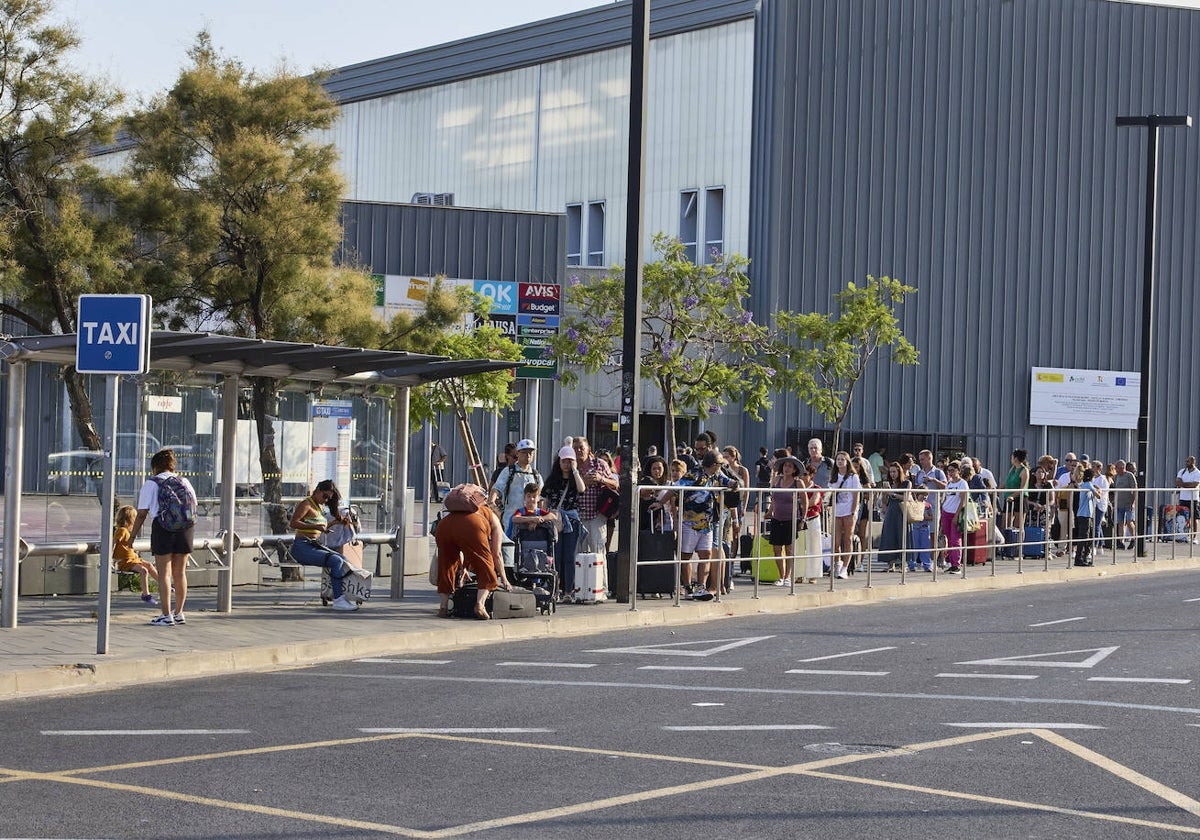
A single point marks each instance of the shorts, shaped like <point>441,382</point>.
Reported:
<point>781,532</point>
<point>1125,514</point>
<point>1014,504</point>
<point>691,540</point>
<point>163,542</point>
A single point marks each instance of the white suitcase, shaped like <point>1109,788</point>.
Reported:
<point>591,579</point>
<point>356,586</point>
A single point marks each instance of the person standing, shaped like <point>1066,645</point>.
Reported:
<point>784,510</point>
<point>1016,487</point>
<point>891,535</point>
<point>437,468</point>
<point>508,490</point>
<point>1124,485</point>
<point>845,509</point>
<point>564,487</point>
<point>169,501</point>
<point>956,494</point>
<point>1085,507</point>
<point>1187,480</point>
<point>596,477</point>
<point>1100,482</point>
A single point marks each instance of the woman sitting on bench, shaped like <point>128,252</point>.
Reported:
<point>310,523</point>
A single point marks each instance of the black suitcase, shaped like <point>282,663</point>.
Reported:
<point>1011,547</point>
<point>745,551</point>
<point>659,578</point>
<point>515,603</point>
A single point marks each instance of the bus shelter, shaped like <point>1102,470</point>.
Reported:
<point>223,361</point>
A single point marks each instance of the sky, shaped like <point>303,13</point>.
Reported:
<point>141,45</point>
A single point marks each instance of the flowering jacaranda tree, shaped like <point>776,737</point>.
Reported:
<point>700,346</point>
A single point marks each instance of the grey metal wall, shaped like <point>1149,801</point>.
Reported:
<point>968,147</point>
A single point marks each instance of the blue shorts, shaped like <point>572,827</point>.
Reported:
<point>1124,514</point>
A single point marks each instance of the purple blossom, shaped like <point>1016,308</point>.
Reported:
<point>547,352</point>
<point>573,334</point>
<point>581,348</point>
<point>687,366</point>
<point>725,280</point>
<point>665,352</point>
<point>604,323</point>
<point>770,372</point>
<point>746,318</point>
<point>714,409</point>
<point>690,301</point>
<point>575,280</point>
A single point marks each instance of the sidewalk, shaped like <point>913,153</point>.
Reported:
<point>283,624</point>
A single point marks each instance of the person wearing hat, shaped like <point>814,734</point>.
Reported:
<point>508,491</point>
<point>785,512</point>
<point>700,512</point>
<point>563,488</point>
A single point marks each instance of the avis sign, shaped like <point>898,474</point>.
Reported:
<point>114,334</point>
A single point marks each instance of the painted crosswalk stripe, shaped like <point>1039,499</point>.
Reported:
<point>549,664</point>
<point>851,653</point>
<point>762,727</point>
<point>686,668</point>
<point>416,730</point>
<point>381,661</point>
<point>1191,600</point>
<point>137,732</point>
<point>1010,725</point>
<point>838,673</point>
<point>1162,680</point>
<point>1059,621</point>
<point>990,676</point>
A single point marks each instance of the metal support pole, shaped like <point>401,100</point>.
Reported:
<point>1152,124</point>
<point>399,488</point>
<point>112,388</point>
<point>14,453</point>
<point>228,503</point>
<point>631,350</point>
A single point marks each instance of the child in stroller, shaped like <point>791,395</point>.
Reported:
<point>534,531</point>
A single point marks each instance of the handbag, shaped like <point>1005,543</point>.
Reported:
<point>914,509</point>
<point>608,503</point>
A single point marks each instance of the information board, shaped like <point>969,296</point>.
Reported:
<point>1093,399</point>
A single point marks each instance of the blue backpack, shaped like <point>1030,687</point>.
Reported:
<point>176,504</point>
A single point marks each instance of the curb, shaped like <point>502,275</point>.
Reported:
<point>580,621</point>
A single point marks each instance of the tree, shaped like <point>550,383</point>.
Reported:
<point>55,241</point>
<point>700,346</point>
<point>825,355</point>
<point>239,209</point>
<point>441,330</point>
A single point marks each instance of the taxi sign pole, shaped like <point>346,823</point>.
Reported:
<point>113,339</point>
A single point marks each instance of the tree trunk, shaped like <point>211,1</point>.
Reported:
<point>669,411</point>
<point>81,409</point>
<point>264,403</point>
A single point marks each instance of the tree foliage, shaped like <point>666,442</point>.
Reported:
<point>699,345</point>
<point>55,243</point>
<point>825,355</point>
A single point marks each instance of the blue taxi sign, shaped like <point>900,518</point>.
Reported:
<point>114,334</point>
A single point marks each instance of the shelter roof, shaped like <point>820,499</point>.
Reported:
<point>212,355</point>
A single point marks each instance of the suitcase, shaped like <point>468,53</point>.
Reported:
<point>356,586</point>
<point>1011,545</point>
<point>658,579</point>
<point>1175,524</point>
<point>764,563</point>
<point>515,603</point>
<point>1035,541</point>
<point>591,579</point>
<point>745,551</point>
<point>976,546</point>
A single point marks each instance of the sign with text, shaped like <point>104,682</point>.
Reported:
<point>1093,399</point>
<point>114,334</point>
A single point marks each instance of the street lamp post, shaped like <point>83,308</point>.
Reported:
<point>1152,123</point>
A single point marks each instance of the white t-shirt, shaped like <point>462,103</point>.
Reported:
<point>843,501</point>
<point>1189,494</point>
<point>952,500</point>
<point>148,495</point>
<point>1100,482</point>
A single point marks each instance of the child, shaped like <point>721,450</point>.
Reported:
<point>921,544</point>
<point>531,514</point>
<point>126,558</point>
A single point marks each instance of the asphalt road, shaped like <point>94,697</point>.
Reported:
<point>1039,713</point>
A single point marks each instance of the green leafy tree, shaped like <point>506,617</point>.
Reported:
<point>699,345</point>
<point>238,208</point>
<point>824,356</point>
<point>444,329</point>
<point>55,242</point>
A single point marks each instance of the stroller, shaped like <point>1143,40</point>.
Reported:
<point>533,565</point>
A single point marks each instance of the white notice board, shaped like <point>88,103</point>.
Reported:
<point>1094,399</point>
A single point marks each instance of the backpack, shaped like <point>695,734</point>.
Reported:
<point>465,498</point>
<point>176,504</point>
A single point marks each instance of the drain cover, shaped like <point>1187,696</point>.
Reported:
<point>852,749</point>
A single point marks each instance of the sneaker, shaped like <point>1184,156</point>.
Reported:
<point>162,621</point>
<point>150,599</point>
<point>780,582</point>
<point>180,618</point>
<point>340,603</point>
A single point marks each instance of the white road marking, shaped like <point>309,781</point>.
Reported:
<point>1163,680</point>
<point>733,689</point>
<point>136,732</point>
<point>686,668</point>
<point>708,704</point>
<point>1191,600</point>
<point>677,648</point>
<point>1039,660</point>
<point>838,673</point>
<point>414,730</point>
<point>764,727</point>
<point>549,664</point>
<point>1059,621</point>
<point>991,676</point>
<point>851,653</point>
<point>378,661</point>
<point>999,725</point>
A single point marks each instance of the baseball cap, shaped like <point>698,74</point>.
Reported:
<point>566,452</point>
<point>525,443</point>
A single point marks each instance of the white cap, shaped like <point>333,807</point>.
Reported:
<point>566,452</point>
<point>525,443</point>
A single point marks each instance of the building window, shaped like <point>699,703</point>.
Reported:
<point>714,223</point>
<point>595,233</point>
<point>574,234</point>
<point>689,226</point>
